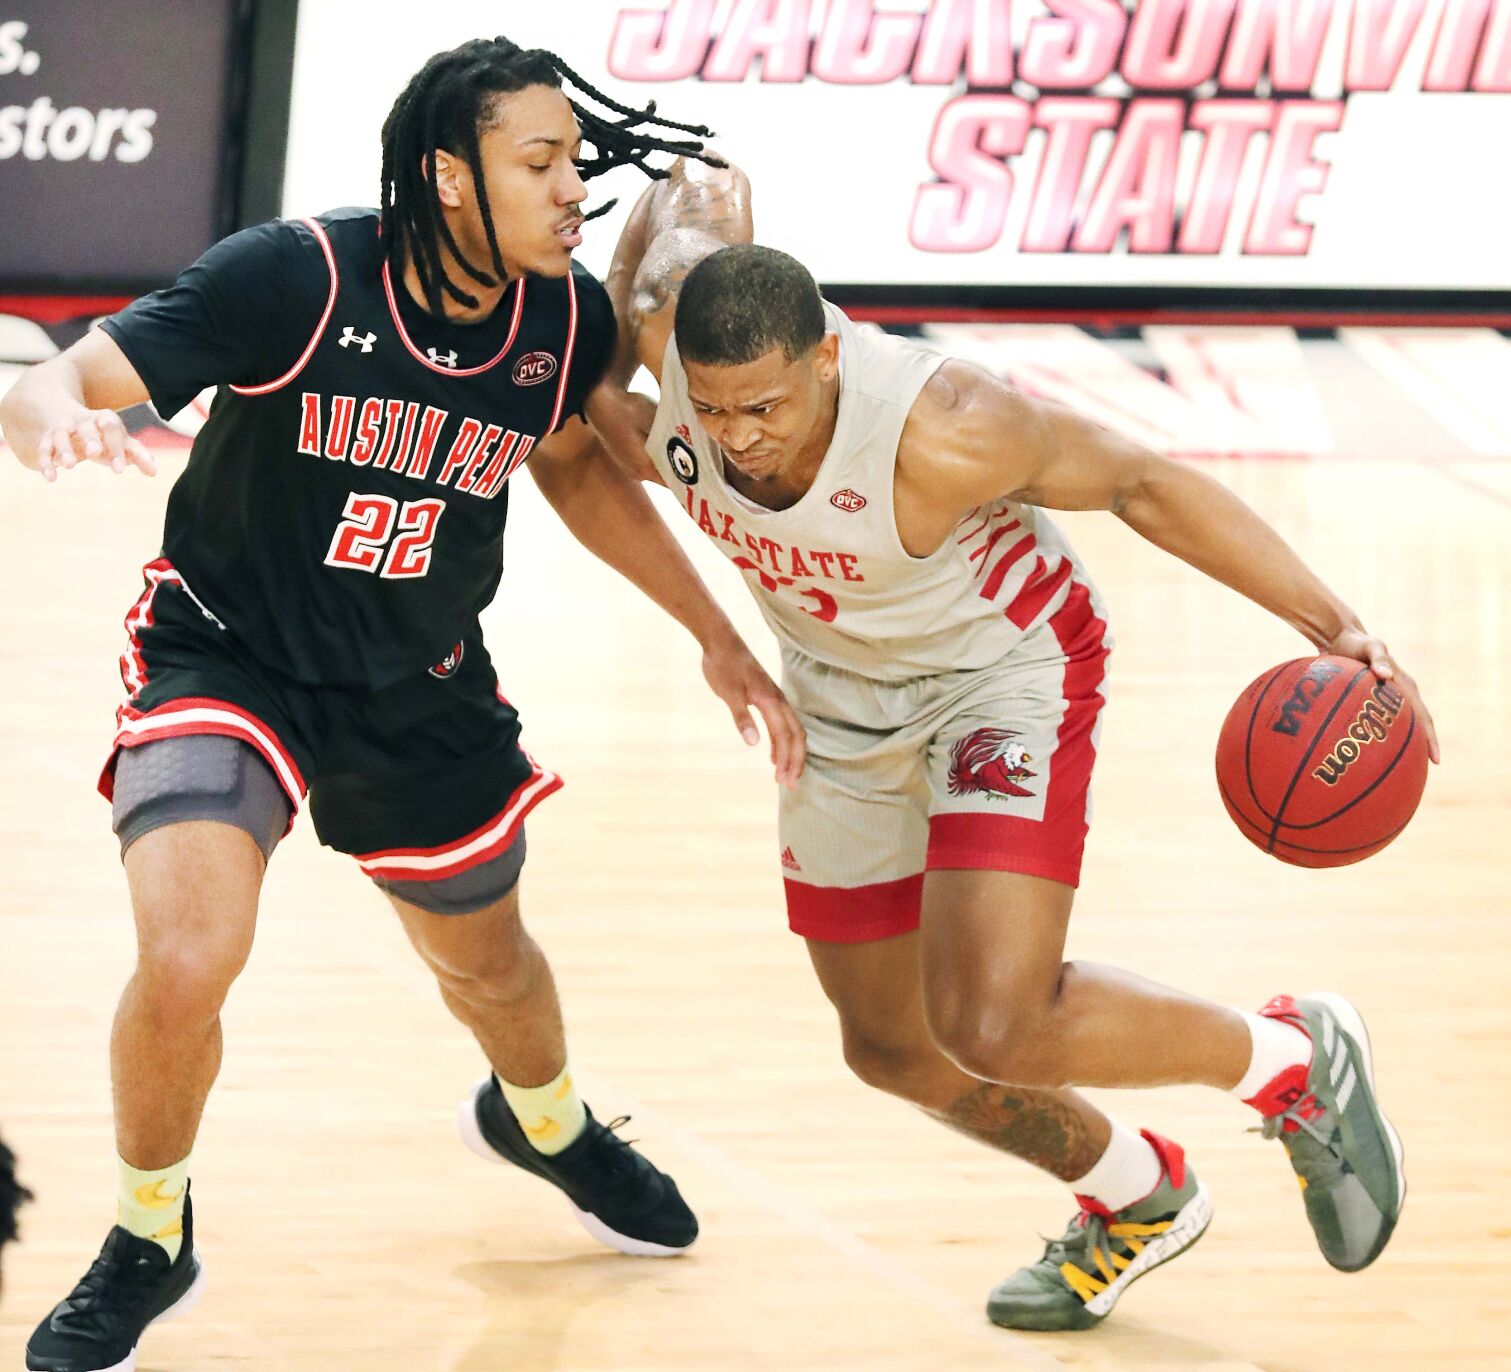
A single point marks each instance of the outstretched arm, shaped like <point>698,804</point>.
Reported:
<point>63,411</point>
<point>675,224</point>
<point>611,515</point>
<point>972,439</point>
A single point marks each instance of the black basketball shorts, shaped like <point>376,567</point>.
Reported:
<point>419,780</point>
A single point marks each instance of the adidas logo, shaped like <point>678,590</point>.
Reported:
<point>790,862</point>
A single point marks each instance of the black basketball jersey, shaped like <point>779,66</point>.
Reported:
<point>342,511</point>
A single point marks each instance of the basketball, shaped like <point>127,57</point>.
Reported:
<point>1320,762</point>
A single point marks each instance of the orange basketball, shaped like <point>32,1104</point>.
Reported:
<point>1320,762</point>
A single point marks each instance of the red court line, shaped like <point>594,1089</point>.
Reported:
<point>56,309</point>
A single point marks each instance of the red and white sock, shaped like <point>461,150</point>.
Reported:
<point>1127,1172</point>
<point>1281,1059</point>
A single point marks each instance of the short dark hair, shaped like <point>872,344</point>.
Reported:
<point>448,103</point>
<point>12,1195</point>
<point>742,301</point>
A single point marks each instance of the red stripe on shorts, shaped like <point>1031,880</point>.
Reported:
<point>139,617</point>
<point>195,715</point>
<point>1050,847</point>
<point>854,914</point>
<point>484,843</point>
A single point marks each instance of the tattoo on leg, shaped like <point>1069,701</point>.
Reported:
<point>1049,1129</point>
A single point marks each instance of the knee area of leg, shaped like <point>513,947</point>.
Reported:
<point>993,1041</point>
<point>197,777</point>
<point>886,1066</point>
<point>185,979</point>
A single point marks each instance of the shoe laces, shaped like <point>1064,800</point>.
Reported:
<point>1087,1231</point>
<point>1090,1233</point>
<point>1315,1155</point>
<point>618,1155</point>
<point>107,1293</point>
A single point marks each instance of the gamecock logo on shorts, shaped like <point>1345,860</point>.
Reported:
<point>989,760</point>
<point>449,664</point>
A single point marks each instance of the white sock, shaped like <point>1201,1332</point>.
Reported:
<point>1277,1046</point>
<point>1127,1172</point>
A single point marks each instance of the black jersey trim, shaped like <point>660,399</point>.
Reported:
<point>414,352</point>
<point>330,305</point>
<point>566,355</point>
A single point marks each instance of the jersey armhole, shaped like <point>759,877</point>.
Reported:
<point>566,354</point>
<point>309,348</point>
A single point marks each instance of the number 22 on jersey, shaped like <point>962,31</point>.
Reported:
<point>362,544</point>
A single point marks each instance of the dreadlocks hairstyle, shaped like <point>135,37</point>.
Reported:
<point>452,100</point>
<point>12,1194</point>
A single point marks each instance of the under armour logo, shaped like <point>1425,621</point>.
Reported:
<point>364,341</point>
<point>441,359</point>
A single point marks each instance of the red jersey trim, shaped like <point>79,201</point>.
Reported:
<point>414,352</point>
<point>566,356</point>
<point>309,349</point>
<point>482,844</point>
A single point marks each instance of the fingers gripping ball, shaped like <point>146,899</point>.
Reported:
<point>1320,762</point>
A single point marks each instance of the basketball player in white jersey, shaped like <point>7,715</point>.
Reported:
<point>945,650</point>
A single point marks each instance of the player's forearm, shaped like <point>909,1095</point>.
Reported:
<point>610,514</point>
<point>48,394</point>
<point>1201,522</point>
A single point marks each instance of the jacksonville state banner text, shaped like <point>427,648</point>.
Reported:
<point>1326,143</point>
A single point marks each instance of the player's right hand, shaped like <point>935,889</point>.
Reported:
<point>92,436</point>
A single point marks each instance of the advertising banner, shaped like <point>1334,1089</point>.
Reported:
<point>112,135</point>
<point>1231,144</point>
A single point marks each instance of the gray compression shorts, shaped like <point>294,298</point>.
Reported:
<point>209,777</point>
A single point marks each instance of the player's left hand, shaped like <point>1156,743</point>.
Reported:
<point>1365,647</point>
<point>741,682</point>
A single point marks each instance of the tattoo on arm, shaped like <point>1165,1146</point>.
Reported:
<point>1050,1129</point>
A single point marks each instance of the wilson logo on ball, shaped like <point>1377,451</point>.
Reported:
<point>1370,725</point>
<point>533,368</point>
<point>1320,763</point>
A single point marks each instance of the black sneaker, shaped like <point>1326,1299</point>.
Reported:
<point>619,1198</point>
<point>129,1286</point>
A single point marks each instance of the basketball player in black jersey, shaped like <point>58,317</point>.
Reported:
<point>312,625</point>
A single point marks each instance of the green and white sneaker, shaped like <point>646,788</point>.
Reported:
<point>1084,1271</point>
<point>1347,1156</point>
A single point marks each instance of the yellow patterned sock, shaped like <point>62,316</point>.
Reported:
<point>551,1115</point>
<point>151,1204</point>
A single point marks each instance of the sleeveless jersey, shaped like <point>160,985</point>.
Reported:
<point>344,518</point>
<point>830,573</point>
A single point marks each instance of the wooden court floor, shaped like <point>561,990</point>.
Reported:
<point>343,1225</point>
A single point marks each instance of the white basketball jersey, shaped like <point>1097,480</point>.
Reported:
<point>830,572</point>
